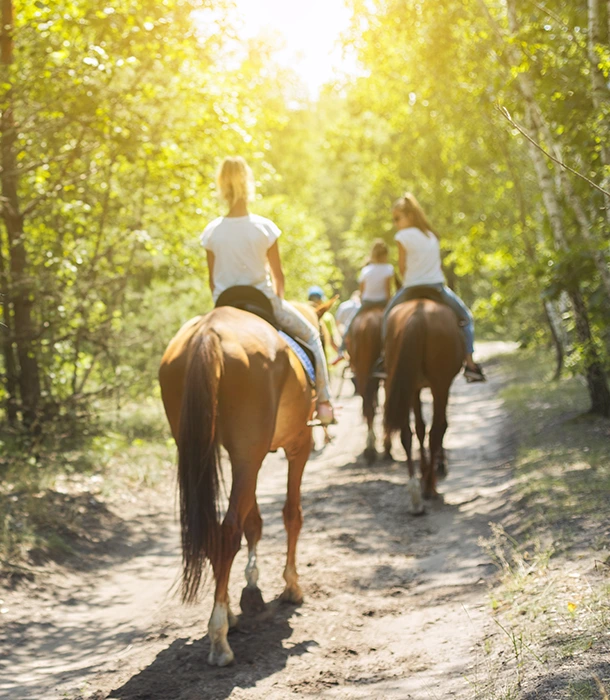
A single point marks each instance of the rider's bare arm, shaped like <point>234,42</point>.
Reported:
<point>210,257</point>
<point>277,274</point>
<point>402,260</point>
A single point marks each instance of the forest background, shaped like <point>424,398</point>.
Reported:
<point>114,117</point>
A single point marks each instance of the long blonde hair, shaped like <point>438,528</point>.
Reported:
<point>234,180</point>
<point>407,204</point>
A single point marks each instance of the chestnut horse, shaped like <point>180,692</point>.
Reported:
<point>424,347</point>
<point>364,346</point>
<point>228,378</point>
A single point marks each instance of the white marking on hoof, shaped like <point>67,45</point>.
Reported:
<point>414,489</point>
<point>218,626</point>
<point>252,569</point>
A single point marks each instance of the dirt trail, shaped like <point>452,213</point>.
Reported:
<point>395,606</point>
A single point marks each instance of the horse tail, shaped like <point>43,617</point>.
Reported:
<point>401,387</point>
<point>199,461</point>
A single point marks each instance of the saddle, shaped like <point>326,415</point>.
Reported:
<point>255,302</point>
<point>422,292</point>
<point>249,299</point>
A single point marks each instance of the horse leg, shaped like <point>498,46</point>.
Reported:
<point>368,408</point>
<point>251,598</point>
<point>293,520</point>
<point>240,503</point>
<point>437,432</point>
<point>441,465</point>
<point>387,445</point>
<point>420,429</point>
<point>414,486</point>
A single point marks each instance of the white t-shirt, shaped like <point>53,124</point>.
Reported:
<point>423,257</point>
<point>240,246</point>
<point>374,277</point>
<point>345,311</point>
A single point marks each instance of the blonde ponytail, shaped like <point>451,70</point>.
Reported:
<point>234,180</point>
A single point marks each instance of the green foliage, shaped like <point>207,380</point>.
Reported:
<point>124,111</point>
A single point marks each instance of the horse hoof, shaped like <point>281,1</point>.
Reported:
<point>441,471</point>
<point>419,511</point>
<point>292,595</point>
<point>222,658</point>
<point>370,455</point>
<point>387,456</point>
<point>434,496</point>
<point>251,601</point>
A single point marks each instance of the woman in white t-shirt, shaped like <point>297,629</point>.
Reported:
<point>242,250</point>
<point>419,263</point>
<point>375,286</point>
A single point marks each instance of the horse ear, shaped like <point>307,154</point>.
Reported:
<point>325,306</point>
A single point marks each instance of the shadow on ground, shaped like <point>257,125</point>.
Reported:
<point>261,643</point>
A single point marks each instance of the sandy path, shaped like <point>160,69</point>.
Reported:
<point>395,606</point>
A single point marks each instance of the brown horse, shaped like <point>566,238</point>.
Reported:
<point>228,378</point>
<point>364,346</point>
<point>423,348</point>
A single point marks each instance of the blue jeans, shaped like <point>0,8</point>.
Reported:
<point>453,302</point>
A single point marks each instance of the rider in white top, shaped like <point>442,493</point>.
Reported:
<point>419,263</point>
<point>242,250</point>
<point>243,242</point>
<point>375,287</point>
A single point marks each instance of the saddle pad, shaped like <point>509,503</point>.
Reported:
<point>301,353</point>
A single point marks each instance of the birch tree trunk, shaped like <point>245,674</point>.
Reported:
<point>597,384</point>
<point>538,122</point>
<point>599,88</point>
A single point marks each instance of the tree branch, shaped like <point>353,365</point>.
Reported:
<point>506,114</point>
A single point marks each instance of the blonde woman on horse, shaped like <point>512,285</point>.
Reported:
<point>242,249</point>
<point>419,264</point>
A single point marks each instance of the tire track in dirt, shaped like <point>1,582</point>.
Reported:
<point>395,606</point>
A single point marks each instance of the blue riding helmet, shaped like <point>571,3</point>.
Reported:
<point>316,292</point>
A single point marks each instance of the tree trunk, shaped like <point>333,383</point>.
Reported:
<point>10,365</point>
<point>539,126</point>
<point>20,289</point>
<point>599,88</point>
<point>557,344</point>
<point>594,371</point>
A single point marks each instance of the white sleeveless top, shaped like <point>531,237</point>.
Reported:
<point>423,257</point>
<point>374,277</point>
<point>240,246</point>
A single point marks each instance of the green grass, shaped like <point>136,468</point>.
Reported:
<point>563,462</point>
<point>553,552</point>
<point>46,483</point>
